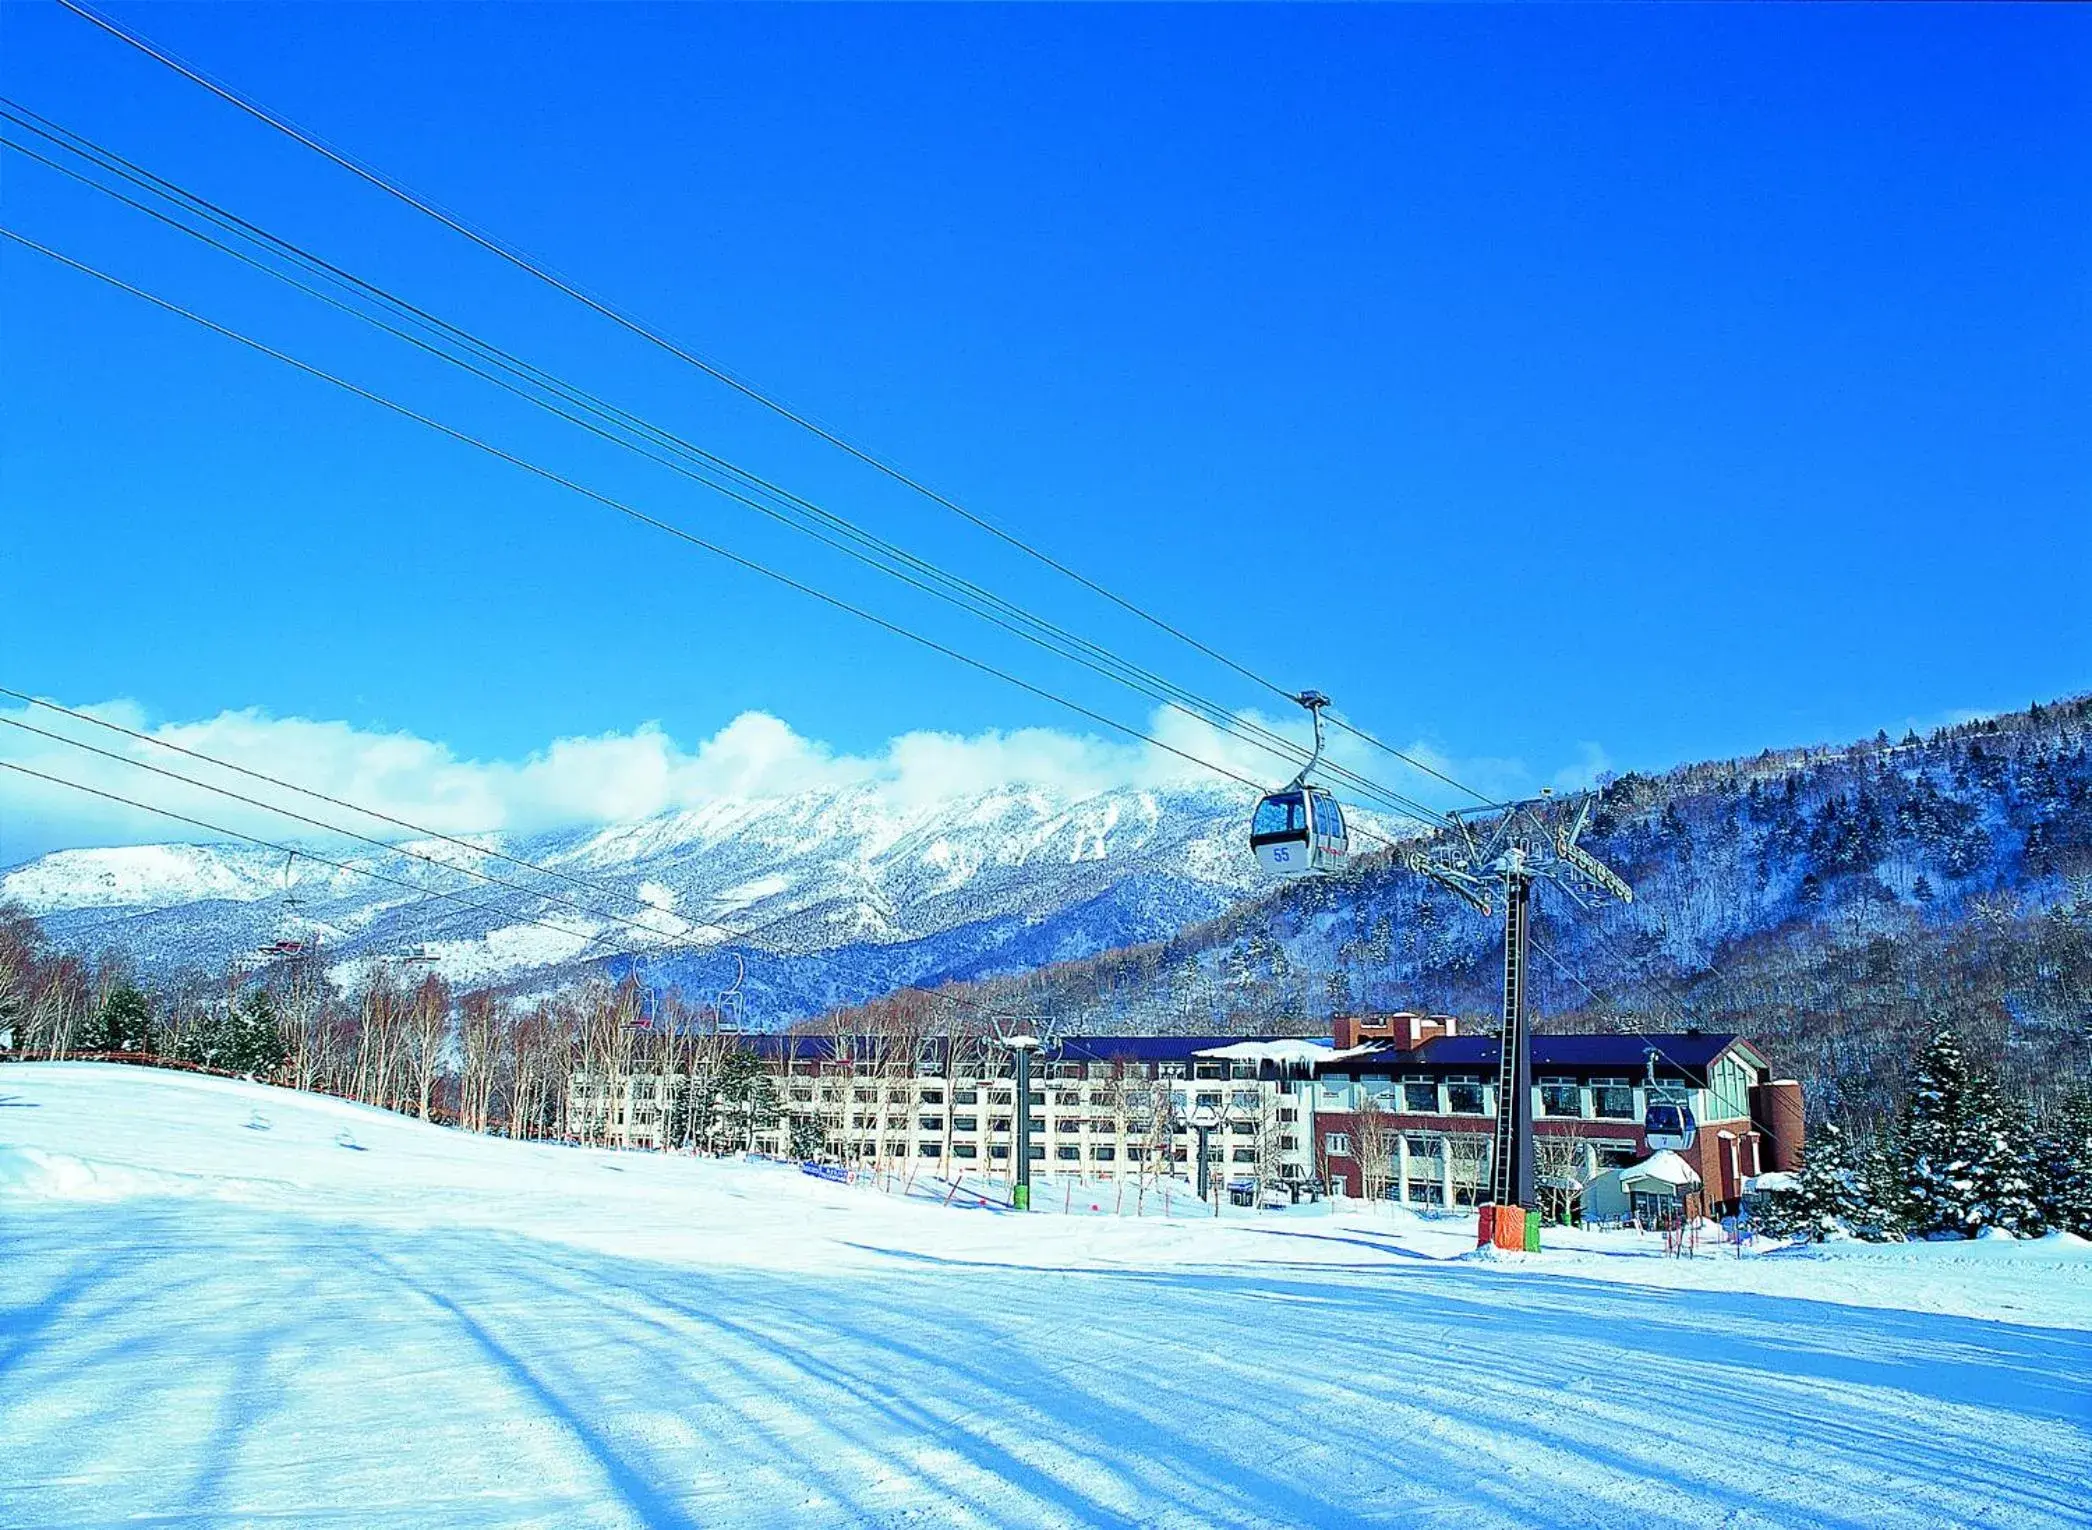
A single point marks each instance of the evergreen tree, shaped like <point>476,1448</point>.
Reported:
<point>1882,1217</point>
<point>2017,1207</point>
<point>1838,1192</point>
<point>749,1094</point>
<point>2062,1154</point>
<point>1953,1146</point>
<point>1818,1206</point>
<point>255,1034</point>
<point>210,1039</point>
<point>808,1141</point>
<point>123,1024</point>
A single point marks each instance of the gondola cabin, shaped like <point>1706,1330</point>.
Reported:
<point>1299,831</point>
<point>1669,1125</point>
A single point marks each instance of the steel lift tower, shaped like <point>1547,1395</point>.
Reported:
<point>1506,849</point>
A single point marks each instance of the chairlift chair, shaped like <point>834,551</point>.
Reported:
<point>1299,829</point>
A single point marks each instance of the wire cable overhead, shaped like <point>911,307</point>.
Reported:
<point>542,272</point>
<point>610,423</point>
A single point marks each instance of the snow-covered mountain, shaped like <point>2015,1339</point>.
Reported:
<point>829,896</point>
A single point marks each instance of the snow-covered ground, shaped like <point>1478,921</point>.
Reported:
<point>227,1304</point>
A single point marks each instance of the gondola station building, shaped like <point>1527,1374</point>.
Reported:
<point>1407,1102</point>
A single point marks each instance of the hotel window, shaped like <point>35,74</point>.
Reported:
<point>929,1150</point>
<point>1287,1114</point>
<point>965,1150</point>
<point>1420,1095</point>
<point>1243,1070</point>
<point>933,1096</point>
<point>864,1096</point>
<point>1560,1097</point>
<point>1246,1099</point>
<point>1169,1070</point>
<point>933,1123</point>
<point>1067,1151</point>
<point>1242,1128</point>
<point>966,1097</point>
<point>1067,1097</point>
<point>1065,1125</point>
<point>1038,1099</point>
<point>999,1150</point>
<point>1038,1151</point>
<point>1289,1144</point>
<point>999,1124</point>
<point>1104,1154</point>
<point>1337,1144</point>
<point>1244,1155</point>
<point>1427,1192</point>
<point>1137,1151</point>
<point>1612,1099</point>
<point>966,1123</point>
<point>1615,1155</point>
<point>1464,1095</point>
<point>1000,1097</point>
<point>1423,1147</point>
<point>1212,1099</point>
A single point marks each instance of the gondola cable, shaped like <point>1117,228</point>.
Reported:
<point>546,275</point>
<point>951,588</point>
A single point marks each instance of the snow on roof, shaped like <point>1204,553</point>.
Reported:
<point>1773,1183</point>
<point>1292,1052</point>
<point>1664,1167</point>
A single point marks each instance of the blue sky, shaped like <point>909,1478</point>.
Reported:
<point>1663,383</point>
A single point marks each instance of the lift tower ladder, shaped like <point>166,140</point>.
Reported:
<point>1511,1161</point>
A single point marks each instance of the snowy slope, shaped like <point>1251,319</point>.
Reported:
<point>226,1304</point>
<point>830,873</point>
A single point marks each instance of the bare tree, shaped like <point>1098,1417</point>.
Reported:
<point>480,1035</point>
<point>1558,1161</point>
<point>1374,1142</point>
<point>426,1030</point>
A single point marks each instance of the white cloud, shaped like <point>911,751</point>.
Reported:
<point>1593,763</point>
<point>603,779</point>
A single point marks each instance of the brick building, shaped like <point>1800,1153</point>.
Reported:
<point>1407,1103</point>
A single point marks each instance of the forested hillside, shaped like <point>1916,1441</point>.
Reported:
<point>1838,904</point>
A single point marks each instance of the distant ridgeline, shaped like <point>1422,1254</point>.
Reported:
<point>1835,904</point>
